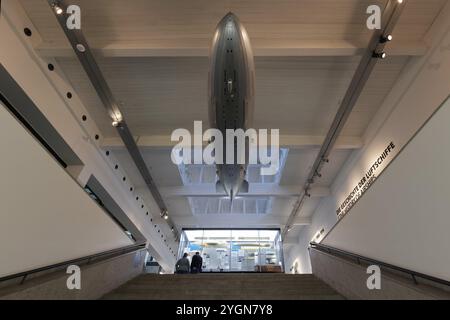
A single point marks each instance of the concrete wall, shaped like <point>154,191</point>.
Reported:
<point>96,280</point>
<point>421,88</point>
<point>45,216</point>
<point>350,280</point>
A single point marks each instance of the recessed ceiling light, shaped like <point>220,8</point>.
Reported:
<point>81,48</point>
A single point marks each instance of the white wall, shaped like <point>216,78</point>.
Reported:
<point>45,216</point>
<point>421,88</point>
<point>48,92</point>
<point>322,219</point>
<point>404,220</point>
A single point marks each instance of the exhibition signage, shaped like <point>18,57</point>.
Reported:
<point>364,183</point>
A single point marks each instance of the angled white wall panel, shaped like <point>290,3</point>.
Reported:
<point>404,218</point>
<point>45,217</point>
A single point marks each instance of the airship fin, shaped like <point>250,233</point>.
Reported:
<point>219,187</point>
<point>244,187</point>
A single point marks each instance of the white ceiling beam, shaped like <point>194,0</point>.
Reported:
<point>291,241</point>
<point>304,48</point>
<point>302,221</point>
<point>255,190</point>
<point>304,141</point>
<point>320,192</point>
<point>235,220</point>
<point>286,141</point>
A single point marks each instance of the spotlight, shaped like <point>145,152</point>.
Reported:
<point>116,124</point>
<point>379,55</point>
<point>165,215</point>
<point>57,9</point>
<point>400,1</point>
<point>385,39</point>
<point>116,116</point>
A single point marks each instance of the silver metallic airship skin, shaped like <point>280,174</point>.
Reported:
<point>231,95</point>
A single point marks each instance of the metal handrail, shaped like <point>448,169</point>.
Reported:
<point>359,258</point>
<point>78,261</point>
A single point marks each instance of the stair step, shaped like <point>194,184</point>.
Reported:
<point>133,296</point>
<point>224,287</point>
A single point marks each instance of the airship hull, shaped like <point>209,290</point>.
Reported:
<point>231,94</point>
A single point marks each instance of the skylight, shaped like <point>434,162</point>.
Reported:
<point>202,175</point>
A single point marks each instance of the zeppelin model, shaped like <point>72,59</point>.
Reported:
<point>231,96</point>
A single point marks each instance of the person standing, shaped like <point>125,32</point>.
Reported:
<point>182,265</point>
<point>197,263</point>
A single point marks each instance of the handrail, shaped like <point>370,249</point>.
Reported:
<point>78,261</point>
<point>359,258</point>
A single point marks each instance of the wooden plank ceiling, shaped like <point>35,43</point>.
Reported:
<point>155,58</point>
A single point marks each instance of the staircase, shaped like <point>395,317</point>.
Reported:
<point>233,286</point>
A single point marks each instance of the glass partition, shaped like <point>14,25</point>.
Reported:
<point>235,250</point>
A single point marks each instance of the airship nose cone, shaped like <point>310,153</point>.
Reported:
<point>230,17</point>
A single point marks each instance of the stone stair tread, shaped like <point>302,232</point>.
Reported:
<point>224,287</point>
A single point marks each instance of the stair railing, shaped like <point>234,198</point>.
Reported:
<point>79,261</point>
<point>342,253</point>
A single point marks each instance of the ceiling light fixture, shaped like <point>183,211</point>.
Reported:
<point>116,116</point>
<point>165,214</point>
<point>379,55</point>
<point>57,9</point>
<point>385,39</point>
<point>81,48</point>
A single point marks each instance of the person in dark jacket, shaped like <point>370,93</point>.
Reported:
<point>196,264</point>
<point>182,265</point>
